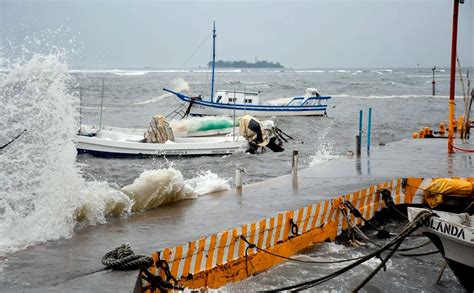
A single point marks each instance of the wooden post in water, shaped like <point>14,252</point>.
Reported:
<point>369,128</point>
<point>238,178</point>
<point>358,145</point>
<point>294,163</point>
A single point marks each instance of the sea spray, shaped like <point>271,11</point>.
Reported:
<point>179,85</point>
<point>325,151</point>
<point>39,178</point>
<point>156,187</point>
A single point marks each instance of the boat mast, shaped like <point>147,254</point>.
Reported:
<point>213,60</point>
<point>453,76</point>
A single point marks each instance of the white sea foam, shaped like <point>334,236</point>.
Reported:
<point>179,85</point>
<point>396,97</point>
<point>43,195</point>
<point>130,73</point>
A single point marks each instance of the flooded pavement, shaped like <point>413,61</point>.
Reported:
<point>74,264</point>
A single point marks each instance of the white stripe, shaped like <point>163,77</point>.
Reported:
<point>204,253</point>
<point>303,220</point>
<point>282,230</point>
<point>216,250</point>
<point>265,233</point>
<point>274,232</point>
<point>225,255</point>
<point>181,262</point>
<point>321,209</point>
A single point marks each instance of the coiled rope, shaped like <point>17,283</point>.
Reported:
<point>123,258</point>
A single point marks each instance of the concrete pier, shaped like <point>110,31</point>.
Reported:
<point>74,264</point>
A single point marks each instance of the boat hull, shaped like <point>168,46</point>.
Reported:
<point>188,147</point>
<point>198,109</point>
<point>453,235</point>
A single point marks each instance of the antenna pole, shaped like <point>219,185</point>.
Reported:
<point>213,60</point>
<point>453,76</point>
<point>101,103</point>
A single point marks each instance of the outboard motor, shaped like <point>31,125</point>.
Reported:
<point>252,130</point>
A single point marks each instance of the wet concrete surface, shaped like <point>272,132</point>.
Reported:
<point>74,264</point>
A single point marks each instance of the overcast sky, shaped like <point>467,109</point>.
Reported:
<point>305,34</point>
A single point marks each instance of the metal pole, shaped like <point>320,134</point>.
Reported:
<point>369,127</point>
<point>80,109</point>
<point>234,120</point>
<point>433,82</point>
<point>213,60</point>
<point>360,129</point>
<point>101,103</point>
<point>453,76</point>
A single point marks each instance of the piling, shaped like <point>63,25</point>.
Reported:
<point>294,163</point>
<point>238,178</point>
<point>358,145</point>
<point>369,127</point>
<point>433,82</point>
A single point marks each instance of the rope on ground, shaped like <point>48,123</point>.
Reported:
<point>123,258</point>
<point>396,242</point>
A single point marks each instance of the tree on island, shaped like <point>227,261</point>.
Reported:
<point>245,64</point>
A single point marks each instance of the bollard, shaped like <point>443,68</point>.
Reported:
<point>369,128</point>
<point>442,129</point>
<point>294,163</point>
<point>238,178</point>
<point>358,145</point>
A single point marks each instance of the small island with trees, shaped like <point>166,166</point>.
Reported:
<point>245,64</point>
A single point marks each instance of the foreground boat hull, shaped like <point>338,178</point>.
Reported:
<point>453,235</point>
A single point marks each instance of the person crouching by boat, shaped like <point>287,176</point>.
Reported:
<point>251,129</point>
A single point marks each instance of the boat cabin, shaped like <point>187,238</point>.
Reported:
<point>236,97</point>
<point>311,98</point>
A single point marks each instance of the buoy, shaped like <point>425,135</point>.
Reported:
<point>442,129</point>
<point>422,133</point>
<point>415,135</point>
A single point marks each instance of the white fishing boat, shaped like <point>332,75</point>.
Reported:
<point>453,235</point>
<point>115,143</point>
<point>241,103</point>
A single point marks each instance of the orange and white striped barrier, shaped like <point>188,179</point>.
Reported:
<point>225,257</point>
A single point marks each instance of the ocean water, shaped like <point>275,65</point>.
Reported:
<point>48,191</point>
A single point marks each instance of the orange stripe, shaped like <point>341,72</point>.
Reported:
<point>235,238</point>
<point>412,186</point>
<point>316,215</point>
<point>221,247</point>
<point>210,252</point>
<point>398,197</point>
<point>177,260</point>
<point>261,232</point>
<point>270,232</point>
<point>197,265</point>
<point>189,256</point>
<point>253,228</point>
<point>242,244</point>
<point>309,209</point>
<point>286,231</point>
